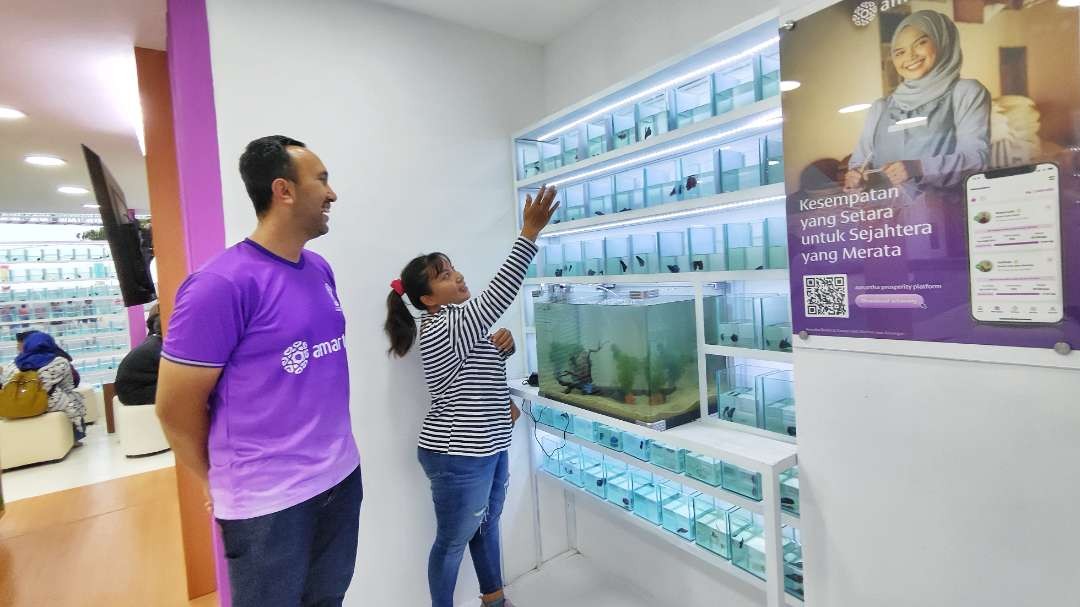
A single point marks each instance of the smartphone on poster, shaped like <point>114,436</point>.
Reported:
<point>1014,245</point>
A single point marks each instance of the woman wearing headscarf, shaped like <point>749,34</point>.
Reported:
<point>935,127</point>
<point>40,353</point>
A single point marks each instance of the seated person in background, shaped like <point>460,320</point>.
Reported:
<point>136,378</point>
<point>39,352</point>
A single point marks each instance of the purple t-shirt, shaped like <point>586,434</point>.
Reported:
<point>280,431</point>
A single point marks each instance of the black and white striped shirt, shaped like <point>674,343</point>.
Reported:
<point>465,372</point>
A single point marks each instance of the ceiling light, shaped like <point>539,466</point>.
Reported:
<point>789,85</point>
<point>712,67</point>
<point>1069,3</point>
<point>851,109</point>
<point>10,113</point>
<point>45,161</point>
<point>91,206</point>
<point>915,119</point>
<point>73,190</point>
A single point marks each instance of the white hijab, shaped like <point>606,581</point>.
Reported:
<point>940,80</point>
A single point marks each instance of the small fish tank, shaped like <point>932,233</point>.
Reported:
<point>740,165</point>
<point>625,127</point>
<point>528,155</point>
<point>596,132</point>
<point>770,73</point>
<point>626,352</point>
<point>742,481</point>
<point>609,437</point>
<point>706,255</point>
<point>711,520</point>
<point>593,474</point>
<point>677,510</point>
<point>693,102</point>
<point>585,429</point>
<point>668,456</point>
<point>571,142</point>
<point>594,257</point>
<point>552,448</point>
<point>708,470</point>
<point>617,257</point>
<point>698,172</point>
<point>776,323</point>
<point>789,490</point>
<point>793,561</point>
<point>646,501</point>
<point>673,254</point>
<point>636,446</point>
<point>737,389</point>
<point>602,196</point>
<point>733,320</point>
<point>744,247</point>
<point>663,184</point>
<point>553,260</point>
<point>573,258</point>
<point>652,117</point>
<point>776,245</point>
<point>778,401</point>
<point>551,157</point>
<point>748,542</point>
<point>619,486</point>
<point>646,258</point>
<point>573,198</point>
<point>572,464</point>
<point>735,87</point>
<point>630,190</point>
<point>551,417</point>
<point>774,157</point>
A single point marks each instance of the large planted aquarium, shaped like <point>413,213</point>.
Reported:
<point>629,352</point>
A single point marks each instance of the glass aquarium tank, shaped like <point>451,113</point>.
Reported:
<point>778,400</point>
<point>733,320</point>
<point>735,87</point>
<point>571,464</point>
<point>698,174</point>
<point>742,481</point>
<point>552,448</point>
<point>596,132</point>
<point>573,198</point>
<point>711,519</point>
<point>748,542</point>
<point>740,165</point>
<point>630,190</point>
<point>646,258</point>
<point>646,501</point>
<point>552,417</point>
<point>652,116</point>
<point>553,260</point>
<point>693,102</point>
<point>774,158</point>
<point>609,437</point>
<point>706,254</point>
<point>585,429</point>
<point>573,259</point>
<point>770,73</point>
<point>619,486</point>
<point>617,258</point>
<point>594,257</point>
<point>789,490</point>
<point>737,399</point>
<point>593,473</point>
<point>636,446</point>
<point>626,352</point>
<point>776,323</point>
<point>662,183</point>
<point>776,244</point>
<point>677,510</point>
<point>793,561</point>
<point>708,470</point>
<point>668,456</point>
<point>601,196</point>
<point>744,246</point>
<point>528,153</point>
<point>571,141</point>
<point>625,126</point>
<point>551,155</point>
<point>673,257</point>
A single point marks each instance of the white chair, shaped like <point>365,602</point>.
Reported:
<point>33,440</point>
<point>94,402</point>
<point>139,429</point>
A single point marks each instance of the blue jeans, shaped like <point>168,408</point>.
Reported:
<point>303,555</point>
<point>468,493</point>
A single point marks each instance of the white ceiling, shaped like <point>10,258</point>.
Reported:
<point>52,69</point>
<point>535,21</point>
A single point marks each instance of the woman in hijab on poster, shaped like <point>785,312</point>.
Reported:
<point>935,127</point>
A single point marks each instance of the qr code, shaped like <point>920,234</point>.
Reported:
<point>826,296</point>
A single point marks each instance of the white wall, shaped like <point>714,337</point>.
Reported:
<point>622,38</point>
<point>412,117</point>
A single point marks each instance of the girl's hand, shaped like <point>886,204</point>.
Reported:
<point>538,212</point>
<point>515,413</point>
<point>503,340</point>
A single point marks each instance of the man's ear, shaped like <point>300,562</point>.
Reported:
<point>282,189</point>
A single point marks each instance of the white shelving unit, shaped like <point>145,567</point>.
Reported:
<point>757,451</point>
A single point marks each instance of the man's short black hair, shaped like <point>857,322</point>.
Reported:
<point>263,161</point>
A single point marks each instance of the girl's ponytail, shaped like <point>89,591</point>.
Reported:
<point>415,283</point>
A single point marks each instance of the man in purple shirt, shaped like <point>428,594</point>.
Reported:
<point>253,392</point>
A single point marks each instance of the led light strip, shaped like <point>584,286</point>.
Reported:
<point>663,217</point>
<point>712,67</point>
<point>770,119</point>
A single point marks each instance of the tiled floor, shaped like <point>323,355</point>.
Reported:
<point>99,459</point>
<point>572,581</point>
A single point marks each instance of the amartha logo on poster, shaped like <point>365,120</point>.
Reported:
<point>866,12</point>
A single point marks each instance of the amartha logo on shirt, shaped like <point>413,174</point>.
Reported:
<point>295,357</point>
<point>330,292</point>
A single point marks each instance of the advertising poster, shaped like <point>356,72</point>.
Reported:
<point>932,163</point>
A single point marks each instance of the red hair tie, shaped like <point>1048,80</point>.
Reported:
<point>398,287</point>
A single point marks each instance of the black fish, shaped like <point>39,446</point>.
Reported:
<point>623,210</point>
<point>760,268</point>
<point>787,501</point>
<point>734,338</point>
<point>675,190</point>
<point>557,221</point>
<point>570,268</point>
<point>601,272</point>
<point>626,501</point>
<point>682,530</point>
<point>614,442</point>
<point>699,265</point>
<point>599,213</point>
<point>623,134</point>
<point>785,344</point>
<point>795,577</point>
<point>592,272</point>
<point>640,261</point>
<point>791,430</point>
<point>623,265</point>
<point>673,268</point>
<point>691,182</point>
<point>648,133</point>
<point>558,273</point>
<point>600,483</point>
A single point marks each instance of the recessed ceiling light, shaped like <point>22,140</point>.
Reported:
<point>1069,3</point>
<point>789,85</point>
<point>91,206</point>
<point>74,190</point>
<point>45,161</point>
<point>851,109</point>
<point>10,113</point>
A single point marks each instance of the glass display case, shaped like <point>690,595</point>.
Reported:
<point>733,320</point>
<point>551,155</point>
<point>789,490</point>
<point>677,510</point>
<point>617,258</point>
<point>748,542</point>
<point>668,456</point>
<point>571,147</point>
<point>793,562</point>
<point>528,158</point>
<point>607,436</point>
<point>553,260</point>
<point>698,174</point>
<point>662,182</point>
<point>706,255</point>
<point>573,259</point>
<point>573,198</point>
<point>652,116</point>
<point>594,257</point>
<point>646,501</point>
<point>742,481</point>
<point>673,255</point>
<point>552,448</point>
<point>693,102</point>
<point>740,165</point>
<point>737,398</point>
<point>646,259</point>
<point>776,391</point>
<point>630,190</point>
<point>735,86</point>
<point>776,249</point>
<point>619,485</point>
<point>776,323</point>
<point>602,196</point>
<point>708,470</point>
<point>636,446</point>
<point>711,525</point>
<point>625,126</point>
<point>743,246</point>
<point>593,475</point>
<point>597,136</point>
<point>770,73</point>
<point>585,429</point>
<point>774,157</point>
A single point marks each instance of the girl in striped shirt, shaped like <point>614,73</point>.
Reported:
<point>466,433</point>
